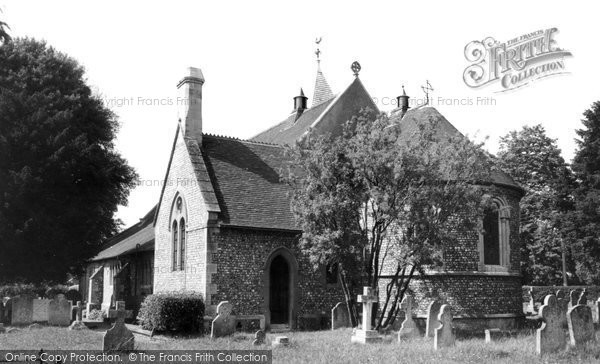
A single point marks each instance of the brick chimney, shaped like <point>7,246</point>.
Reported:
<point>189,103</point>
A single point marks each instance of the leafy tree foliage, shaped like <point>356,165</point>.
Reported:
<point>379,201</point>
<point>4,36</point>
<point>61,179</point>
<point>586,218</point>
<point>535,162</point>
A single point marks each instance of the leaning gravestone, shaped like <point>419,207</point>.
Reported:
<point>259,338</point>
<point>339,316</point>
<point>40,310</point>
<point>563,301</point>
<point>409,329</point>
<point>224,323</point>
<point>582,300</point>
<point>433,313</point>
<point>550,337</point>
<point>581,325</point>
<point>59,311</point>
<point>444,334</point>
<point>21,310</point>
<point>118,338</point>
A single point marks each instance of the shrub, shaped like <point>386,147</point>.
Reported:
<point>54,291</point>
<point>181,312</point>
<point>96,315</point>
<point>17,289</point>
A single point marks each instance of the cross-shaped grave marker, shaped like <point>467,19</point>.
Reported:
<point>78,323</point>
<point>119,338</point>
<point>366,335</point>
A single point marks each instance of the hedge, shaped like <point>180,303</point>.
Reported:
<point>173,311</point>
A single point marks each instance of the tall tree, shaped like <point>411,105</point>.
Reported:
<point>4,36</point>
<point>586,219</point>
<point>378,201</point>
<point>535,162</point>
<point>61,179</point>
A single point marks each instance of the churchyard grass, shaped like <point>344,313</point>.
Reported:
<point>317,347</point>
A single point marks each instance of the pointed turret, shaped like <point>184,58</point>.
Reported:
<point>322,90</point>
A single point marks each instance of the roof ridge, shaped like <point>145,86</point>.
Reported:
<point>243,140</point>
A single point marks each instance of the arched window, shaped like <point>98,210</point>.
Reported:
<point>178,222</point>
<point>182,244</point>
<point>494,242</point>
<point>175,240</point>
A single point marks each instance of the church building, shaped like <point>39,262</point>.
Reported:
<point>223,226</point>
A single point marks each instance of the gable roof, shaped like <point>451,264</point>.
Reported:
<point>246,180</point>
<point>409,125</point>
<point>138,237</point>
<point>328,117</point>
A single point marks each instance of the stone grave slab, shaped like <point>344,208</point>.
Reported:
<point>224,323</point>
<point>433,313</point>
<point>444,334</point>
<point>59,311</point>
<point>40,310</point>
<point>118,337</point>
<point>339,316</point>
<point>21,310</point>
<point>581,325</point>
<point>281,341</point>
<point>550,337</point>
<point>409,329</point>
<point>78,323</point>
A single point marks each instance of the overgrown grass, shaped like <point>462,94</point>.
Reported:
<point>319,347</point>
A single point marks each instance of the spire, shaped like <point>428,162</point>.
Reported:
<point>322,90</point>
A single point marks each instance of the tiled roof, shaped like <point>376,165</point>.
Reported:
<point>322,90</point>
<point>246,180</point>
<point>139,237</point>
<point>290,130</point>
<point>409,125</point>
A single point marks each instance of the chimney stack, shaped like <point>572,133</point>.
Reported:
<point>300,103</point>
<point>189,102</point>
<point>403,102</point>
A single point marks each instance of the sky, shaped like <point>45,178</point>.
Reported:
<point>256,55</point>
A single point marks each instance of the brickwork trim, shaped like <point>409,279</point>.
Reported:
<point>458,273</point>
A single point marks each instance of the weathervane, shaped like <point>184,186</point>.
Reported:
<point>355,68</point>
<point>427,88</point>
<point>318,51</point>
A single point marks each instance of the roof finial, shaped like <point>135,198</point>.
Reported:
<point>318,51</point>
<point>355,68</point>
<point>426,89</point>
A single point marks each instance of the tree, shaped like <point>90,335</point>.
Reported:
<point>61,179</point>
<point>535,162</point>
<point>379,201</point>
<point>4,36</point>
<point>586,218</point>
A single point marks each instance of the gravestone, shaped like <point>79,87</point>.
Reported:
<point>340,316</point>
<point>1,312</point>
<point>119,306</point>
<point>21,310</point>
<point>78,323</point>
<point>433,312</point>
<point>582,298</point>
<point>444,334</point>
<point>550,337</point>
<point>2,329</point>
<point>409,329</point>
<point>366,335</point>
<point>574,295</point>
<point>581,325</point>
<point>118,337</point>
<point>224,323</point>
<point>259,338</point>
<point>563,301</point>
<point>59,311</point>
<point>281,341</point>
<point>531,304</point>
<point>40,310</point>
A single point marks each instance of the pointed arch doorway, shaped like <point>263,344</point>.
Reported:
<point>280,288</point>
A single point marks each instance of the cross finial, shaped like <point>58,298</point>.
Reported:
<point>355,68</point>
<point>427,88</point>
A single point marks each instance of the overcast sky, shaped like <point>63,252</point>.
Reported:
<point>255,56</point>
